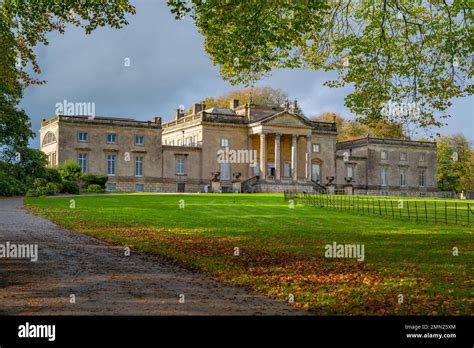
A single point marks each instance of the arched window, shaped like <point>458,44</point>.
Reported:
<point>49,138</point>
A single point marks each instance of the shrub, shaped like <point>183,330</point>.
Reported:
<point>94,188</point>
<point>53,175</point>
<point>39,182</point>
<point>9,186</point>
<point>50,189</point>
<point>71,187</point>
<point>70,170</point>
<point>90,179</point>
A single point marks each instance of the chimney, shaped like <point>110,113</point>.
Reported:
<point>178,114</point>
<point>197,108</point>
<point>234,103</point>
<point>157,119</point>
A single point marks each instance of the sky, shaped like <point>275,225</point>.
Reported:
<point>168,68</point>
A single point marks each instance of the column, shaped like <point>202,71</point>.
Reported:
<point>277,157</point>
<point>294,157</point>
<point>263,156</point>
<point>308,157</point>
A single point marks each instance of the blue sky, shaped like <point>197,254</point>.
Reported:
<point>168,68</point>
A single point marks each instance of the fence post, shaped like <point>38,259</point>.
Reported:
<point>426,213</point>
<point>416,211</point>
<point>456,211</point>
<point>446,212</point>
<point>391,204</point>
<point>468,212</point>
<point>380,209</point>
<point>368,205</point>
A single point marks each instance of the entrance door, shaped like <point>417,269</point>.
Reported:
<point>271,169</point>
<point>316,172</point>
<point>181,187</point>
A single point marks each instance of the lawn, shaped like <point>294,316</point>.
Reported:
<point>258,242</point>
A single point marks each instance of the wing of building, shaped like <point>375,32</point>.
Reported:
<point>243,148</point>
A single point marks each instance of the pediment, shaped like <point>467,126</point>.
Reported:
<point>286,119</point>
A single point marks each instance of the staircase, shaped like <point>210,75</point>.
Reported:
<point>254,185</point>
<point>318,187</point>
<point>248,185</point>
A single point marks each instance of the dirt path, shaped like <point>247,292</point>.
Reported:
<point>103,280</point>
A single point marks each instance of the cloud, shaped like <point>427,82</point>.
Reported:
<point>168,67</point>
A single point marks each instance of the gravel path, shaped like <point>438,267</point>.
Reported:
<point>103,280</point>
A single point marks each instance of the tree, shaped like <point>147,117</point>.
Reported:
<point>262,95</point>
<point>455,163</point>
<point>413,55</point>
<point>24,24</point>
<point>352,129</point>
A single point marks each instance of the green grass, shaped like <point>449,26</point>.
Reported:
<point>281,250</point>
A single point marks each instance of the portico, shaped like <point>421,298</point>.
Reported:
<point>284,148</point>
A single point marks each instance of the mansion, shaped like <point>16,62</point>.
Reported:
<point>267,149</point>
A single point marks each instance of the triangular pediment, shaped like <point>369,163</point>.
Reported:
<point>286,119</point>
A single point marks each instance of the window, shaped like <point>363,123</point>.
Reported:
<point>112,138</point>
<point>83,136</point>
<point>403,177</point>
<point>111,164</point>
<point>421,178</point>
<point>383,155</point>
<point>224,142</point>
<point>83,162</point>
<point>139,166</point>
<point>139,187</point>
<point>316,148</point>
<point>403,156</point>
<point>384,176</point>
<point>51,159</point>
<point>111,187</point>
<point>139,139</point>
<point>180,142</point>
<point>286,170</point>
<point>316,172</point>
<point>225,171</point>
<point>180,166</point>
<point>422,157</point>
<point>49,138</point>
<point>349,171</point>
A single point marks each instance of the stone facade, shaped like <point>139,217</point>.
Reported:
<point>248,148</point>
<point>387,167</point>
